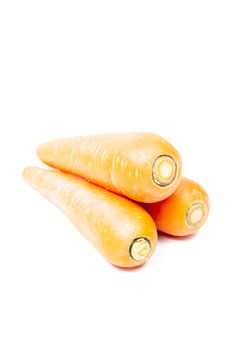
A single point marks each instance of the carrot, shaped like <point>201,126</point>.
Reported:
<point>120,229</point>
<point>184,212</point>
<point>140,166</point>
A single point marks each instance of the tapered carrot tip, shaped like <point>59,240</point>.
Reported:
<point>184,212</point>
<point>121,230</point>
<point>164,170</point>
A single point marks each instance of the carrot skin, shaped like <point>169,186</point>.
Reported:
<point>122,231</point>
<point>140,166</point>
<point>184,212</point>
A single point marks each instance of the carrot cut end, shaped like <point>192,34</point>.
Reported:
<point>164,170</point>
<point>140,248</point>
<point>196,214</point>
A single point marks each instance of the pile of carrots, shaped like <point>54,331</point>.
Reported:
<point>118,190</point>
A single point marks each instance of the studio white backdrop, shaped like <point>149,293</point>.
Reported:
<point>84,67</point>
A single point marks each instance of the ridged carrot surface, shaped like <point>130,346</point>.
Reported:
<point>184,212</point>
<point>140,166</point>
<point>121,230</point>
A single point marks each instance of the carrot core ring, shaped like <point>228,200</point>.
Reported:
<point>164,170</point>
<point>196,213</point>
<point>140,248</point>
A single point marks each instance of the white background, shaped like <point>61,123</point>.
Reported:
<point>81,67</point>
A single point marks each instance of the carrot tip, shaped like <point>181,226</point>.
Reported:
<point>140,248</point>
<point>164,170</point>
<point>196,214</point>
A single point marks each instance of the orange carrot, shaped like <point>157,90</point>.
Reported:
<point>120,229</point>
<point>140,166</point>
<point>184,212</point>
